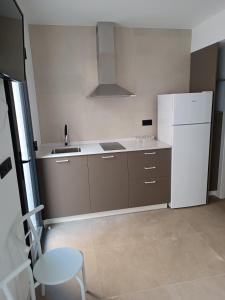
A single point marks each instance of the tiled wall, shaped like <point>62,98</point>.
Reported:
<point>150,62</point>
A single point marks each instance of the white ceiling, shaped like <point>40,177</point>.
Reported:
<point>132,13</point>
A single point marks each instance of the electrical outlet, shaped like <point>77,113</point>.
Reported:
<point>147,122</point>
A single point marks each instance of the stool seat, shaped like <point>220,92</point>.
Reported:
<point>58,266</point>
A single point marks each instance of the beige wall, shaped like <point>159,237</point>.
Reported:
<point>150,61</point>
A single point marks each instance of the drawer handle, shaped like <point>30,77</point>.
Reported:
<point>150,182</point>
<point>149,153</point>
<point>149,168</point>
<point>106,157</point>
<point>63,161</point>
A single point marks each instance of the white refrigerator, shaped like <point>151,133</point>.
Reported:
<point>184,122</point>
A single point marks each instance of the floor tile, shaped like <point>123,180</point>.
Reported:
<point>77,234</point>
<point>215,239</point>
<point>206,217</point>
<point>188,258</point>
<point>159,225</point>
<point>128,268</point>
<point>205,289</point>
<point>111,231</point>
<point>161,293</point>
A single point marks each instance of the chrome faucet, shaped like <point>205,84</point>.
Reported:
<point>65,135</point>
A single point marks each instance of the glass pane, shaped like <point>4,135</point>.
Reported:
<point>24,147</point>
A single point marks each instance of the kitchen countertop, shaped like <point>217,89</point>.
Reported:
<point>93,147</point>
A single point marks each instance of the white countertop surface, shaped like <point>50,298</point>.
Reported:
<point>93,147</point>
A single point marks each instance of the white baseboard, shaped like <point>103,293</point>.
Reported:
<point>213,193</point>
<point>217,194</point>
<point>105,214</point>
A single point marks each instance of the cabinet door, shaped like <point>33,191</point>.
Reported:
<point>64,186</point>
<point>203,77</point>
<point>108,179</point>
<point>204,69</point>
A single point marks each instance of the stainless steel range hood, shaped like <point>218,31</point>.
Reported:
<point>106,57</point>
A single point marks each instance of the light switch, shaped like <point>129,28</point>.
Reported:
<point>5,167</point>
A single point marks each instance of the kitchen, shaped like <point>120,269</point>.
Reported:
<point>121,144</point>
<point>110,114</point>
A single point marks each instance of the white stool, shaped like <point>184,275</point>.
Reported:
<point>59,266</point>
<point>56,266</point>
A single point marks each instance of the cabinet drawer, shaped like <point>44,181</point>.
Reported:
<point>153,163</point>
<point>112,164</point>
<point>149,192</point>
<point>108,180</point>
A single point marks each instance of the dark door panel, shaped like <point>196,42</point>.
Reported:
<point>204,69</point>
<point>203,77</point>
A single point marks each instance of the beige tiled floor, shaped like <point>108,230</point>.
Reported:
<point>165,254</point>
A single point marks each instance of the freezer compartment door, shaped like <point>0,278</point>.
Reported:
<point>192,108</point>
<point>190,155</point>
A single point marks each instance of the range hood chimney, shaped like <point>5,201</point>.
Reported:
<point>106,57</point>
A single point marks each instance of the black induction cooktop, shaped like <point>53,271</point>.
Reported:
<point>111,146</point>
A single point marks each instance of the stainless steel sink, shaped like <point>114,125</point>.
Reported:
<point>66,150</point>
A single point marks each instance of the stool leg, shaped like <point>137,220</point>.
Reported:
<point>82,289</point>
<point>31,283</point>
<point>42,290</point>
<point>83,275</point>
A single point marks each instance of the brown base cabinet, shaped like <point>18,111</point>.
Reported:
<point>83,184</point>
<point>64,187</point>
<point>149,177</point>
